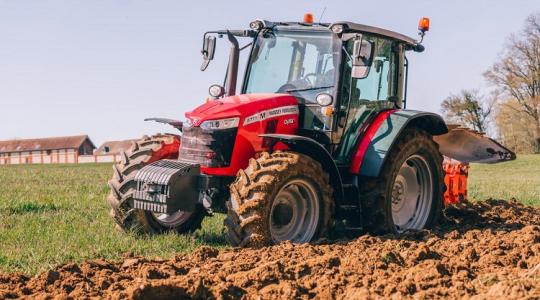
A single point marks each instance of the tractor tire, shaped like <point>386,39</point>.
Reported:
<point>122,186</point>
<point>279,196</point>
<point>408,195</point>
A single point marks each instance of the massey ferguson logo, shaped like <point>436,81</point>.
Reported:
<point>272,113</point>
<point>288,122</point>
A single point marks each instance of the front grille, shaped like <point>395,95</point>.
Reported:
<point>209,148</point>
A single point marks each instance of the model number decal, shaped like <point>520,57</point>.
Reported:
<point>271,113</point>
<point>288,121</point>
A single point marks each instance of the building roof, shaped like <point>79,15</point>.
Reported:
<point>65,142</point>
<point>114,147</point>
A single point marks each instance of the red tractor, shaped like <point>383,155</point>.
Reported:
<point>317,141</point>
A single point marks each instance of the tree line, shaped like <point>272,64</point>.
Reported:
<point>512,108</point>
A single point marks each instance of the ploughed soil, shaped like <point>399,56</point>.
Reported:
<point>482,250</point>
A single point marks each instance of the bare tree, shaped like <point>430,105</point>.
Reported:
<point>517,73</point>
<point>468,108</point>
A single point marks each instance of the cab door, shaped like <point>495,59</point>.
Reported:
<point>363,98</point>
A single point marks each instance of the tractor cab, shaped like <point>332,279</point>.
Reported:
<point>341,74</point>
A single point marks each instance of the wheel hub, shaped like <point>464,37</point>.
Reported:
<point>295,212</point>
<point>283,214</point>
<point>412,194</point>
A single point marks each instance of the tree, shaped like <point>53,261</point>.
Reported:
<point>517,73</point>
<point>515,127</point>
<point>468,108</point>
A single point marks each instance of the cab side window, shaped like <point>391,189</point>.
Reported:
<point>381,82</point>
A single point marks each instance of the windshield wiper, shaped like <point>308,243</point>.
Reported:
<point>310,89</point>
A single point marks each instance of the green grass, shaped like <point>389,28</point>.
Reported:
<point>519,179</point>
<point>53,214</point>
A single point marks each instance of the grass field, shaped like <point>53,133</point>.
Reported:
<point>518,179</point>
<point>52,214</point>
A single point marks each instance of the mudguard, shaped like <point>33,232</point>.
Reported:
<point>314,150</point>
<point>381,134</point>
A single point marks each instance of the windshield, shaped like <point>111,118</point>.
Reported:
<point>295,62</point>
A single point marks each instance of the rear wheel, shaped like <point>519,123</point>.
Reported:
<point>122,184</point>
<point>408,194</point>
<point>283,196</point>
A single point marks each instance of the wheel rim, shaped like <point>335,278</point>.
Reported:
<point>412,194</point>
<point>294,215</point>
<point>172,220</point>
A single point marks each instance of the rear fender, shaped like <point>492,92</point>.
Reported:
<point>381,134</point>
<point>315,150</point>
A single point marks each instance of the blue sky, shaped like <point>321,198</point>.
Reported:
<point>100,67</point>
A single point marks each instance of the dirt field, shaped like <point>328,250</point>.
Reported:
<point>44,208</point>
<point>486,250</point>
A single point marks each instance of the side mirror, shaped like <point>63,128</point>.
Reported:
<point>361,58</point>
<point>209,48</point>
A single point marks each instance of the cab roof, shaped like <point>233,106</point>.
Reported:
<point>377,31</point>
<point>349,27</point>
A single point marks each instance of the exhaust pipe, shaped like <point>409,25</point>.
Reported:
<point>232,69</point>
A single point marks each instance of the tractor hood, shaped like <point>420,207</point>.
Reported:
<point>238,106</point>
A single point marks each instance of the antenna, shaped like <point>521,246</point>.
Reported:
<point>322,14</point>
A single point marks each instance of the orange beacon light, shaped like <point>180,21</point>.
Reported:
<point>308,18</point>
<point>423,24</point>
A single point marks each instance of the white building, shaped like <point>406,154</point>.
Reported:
<point>46,150</point>
<point>110,151</point>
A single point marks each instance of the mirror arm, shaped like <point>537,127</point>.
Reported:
<point>232,67</point>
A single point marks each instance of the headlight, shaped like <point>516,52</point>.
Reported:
<point>216,90</point>
<point>220,124</point>
<point>324,99</point>
<point>256,25</point>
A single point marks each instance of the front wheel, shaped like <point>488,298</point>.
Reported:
<point>283,196</point>
<point>408,194</point>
